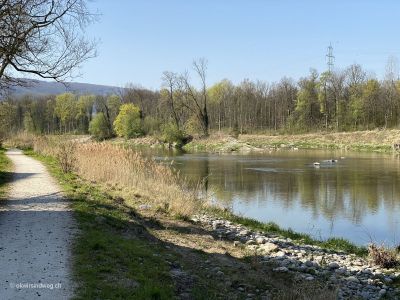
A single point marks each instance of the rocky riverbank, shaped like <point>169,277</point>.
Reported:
<point>354,277</point>
<point>386,140</point>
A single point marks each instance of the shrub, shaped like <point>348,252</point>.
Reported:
<point>173,135</point>
<point>100,128</point>
<point>128,123</point>
<point>66,156</point>
<point>22,140</point>
<point>382,256</point>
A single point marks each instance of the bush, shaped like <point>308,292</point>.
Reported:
<point>100,128</point>
<point>128,123</point>
<point>173,135</point>
<point>382,256</point>
<point>66,156</point>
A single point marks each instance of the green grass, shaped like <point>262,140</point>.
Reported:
<point>5,174</point>
<point>336,244</point>
<point>114,257</point>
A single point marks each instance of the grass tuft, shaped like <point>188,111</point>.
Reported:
<point>382,256</point>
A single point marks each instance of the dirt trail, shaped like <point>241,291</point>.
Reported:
<point>36,234</point>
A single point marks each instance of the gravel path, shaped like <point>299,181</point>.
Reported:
<point>36,233</point>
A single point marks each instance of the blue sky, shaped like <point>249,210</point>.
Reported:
<point>255,39</point>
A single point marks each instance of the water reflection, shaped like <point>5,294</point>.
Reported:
<point>357,197</point>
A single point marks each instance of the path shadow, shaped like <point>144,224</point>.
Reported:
<point>7,177</point>
<point>53,198</point>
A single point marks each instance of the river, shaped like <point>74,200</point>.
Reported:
<point>356,197</point>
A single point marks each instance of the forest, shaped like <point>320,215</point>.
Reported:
<point>344,100</point>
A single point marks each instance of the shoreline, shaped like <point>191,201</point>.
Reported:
<point>371,141</point>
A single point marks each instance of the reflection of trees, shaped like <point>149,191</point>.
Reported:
<point>350,190</point>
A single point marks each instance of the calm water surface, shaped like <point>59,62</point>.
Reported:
<point>357,197</point>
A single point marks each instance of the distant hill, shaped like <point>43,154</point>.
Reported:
<point>38,87</point>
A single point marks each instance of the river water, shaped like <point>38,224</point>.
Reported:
<point>356,197</point>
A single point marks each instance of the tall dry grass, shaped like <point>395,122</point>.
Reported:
<point>125,168</point>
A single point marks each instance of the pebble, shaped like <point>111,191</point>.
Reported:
<point>333,265</point>
<point>309,278</point>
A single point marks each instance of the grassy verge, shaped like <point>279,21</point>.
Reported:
<point>5,174</point>
<point>336,244</point>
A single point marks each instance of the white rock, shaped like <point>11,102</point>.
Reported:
<point>268,248</point>
<point>144,206</point>
<point>244,232</point>
<point>260,240</point>
<point>280,254</point>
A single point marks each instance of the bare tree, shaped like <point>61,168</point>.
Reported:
<point>44,38</point>
<point>196,101</point>
<point>170,82</point>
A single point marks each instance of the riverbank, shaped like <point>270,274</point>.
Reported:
<point>374,140</point>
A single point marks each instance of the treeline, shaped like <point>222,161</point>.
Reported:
<point>340,100</point>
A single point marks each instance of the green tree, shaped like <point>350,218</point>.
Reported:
<point>84,111</point>
<point>99,128</point>
<point>218,95</point>
<point>371,101</point>
<point>66,110</point>
<point>128,122</point>
<point>308,107</point>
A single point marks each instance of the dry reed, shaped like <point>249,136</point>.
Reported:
<point>123,167</point>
